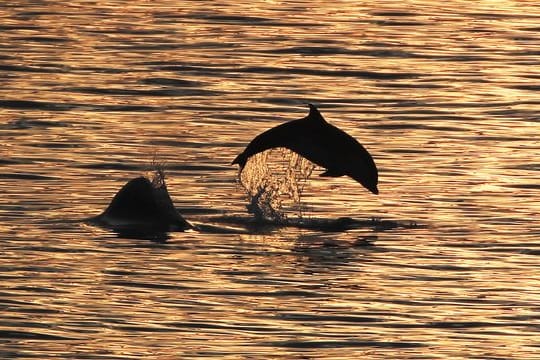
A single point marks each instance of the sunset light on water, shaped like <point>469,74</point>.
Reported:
<point>441,264</point>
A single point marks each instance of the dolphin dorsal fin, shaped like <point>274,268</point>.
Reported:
<point>314,114</point>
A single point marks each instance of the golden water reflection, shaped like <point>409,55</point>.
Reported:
<point>443,95</point>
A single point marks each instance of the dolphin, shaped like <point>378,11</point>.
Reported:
<point>313,138</point>
<point>142,206</point>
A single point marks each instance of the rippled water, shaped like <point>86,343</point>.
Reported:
<point>445,95</point>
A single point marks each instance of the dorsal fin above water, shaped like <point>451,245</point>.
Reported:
<point>314,114</point>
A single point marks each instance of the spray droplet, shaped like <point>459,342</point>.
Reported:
<point>274,181</point>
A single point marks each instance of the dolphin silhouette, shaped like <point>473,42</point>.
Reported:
<point>141,206</point>
<point>321,143</point>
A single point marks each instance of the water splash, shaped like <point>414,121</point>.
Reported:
<point>156,171</point>
<point>274,181</point>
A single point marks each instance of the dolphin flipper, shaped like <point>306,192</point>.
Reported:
<point>332,173</point>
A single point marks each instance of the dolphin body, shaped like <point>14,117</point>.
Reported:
<point>321,143</point>
<point>142,207</point>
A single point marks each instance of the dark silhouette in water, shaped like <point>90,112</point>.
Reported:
<point>142,206</point>
<point>143,209</point>
<point>321,143</point>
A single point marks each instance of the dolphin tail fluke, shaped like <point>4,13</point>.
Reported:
<point>241,160</point>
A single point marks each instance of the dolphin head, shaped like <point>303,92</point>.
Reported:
<point>366,174</point>
<point>371,186</point>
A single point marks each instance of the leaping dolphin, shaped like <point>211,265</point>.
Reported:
<point>321,143</point>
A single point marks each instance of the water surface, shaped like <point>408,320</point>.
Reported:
<point>445,96</point>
